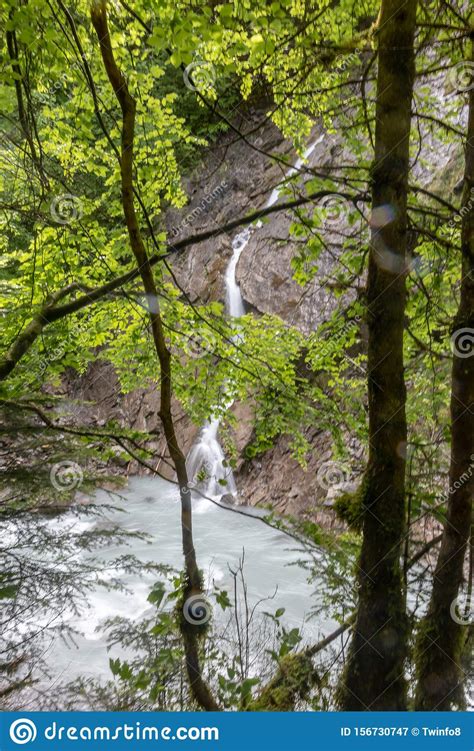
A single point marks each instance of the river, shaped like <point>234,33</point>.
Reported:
<point>151,505</point>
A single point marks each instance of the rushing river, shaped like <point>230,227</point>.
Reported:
<point>152,505</point>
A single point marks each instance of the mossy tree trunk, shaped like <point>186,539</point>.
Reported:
<point>374,675</point>
<point>442,632</point>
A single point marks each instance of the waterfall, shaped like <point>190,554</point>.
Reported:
<point>205,462</point>
<point>234,302</point>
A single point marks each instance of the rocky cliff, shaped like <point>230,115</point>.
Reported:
<point>236,178</point>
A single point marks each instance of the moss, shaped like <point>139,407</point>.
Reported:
<point>349,508</point>
<point>295,678</point>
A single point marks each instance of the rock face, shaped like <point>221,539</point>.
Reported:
<point>278,481</point>
<point>264,272</point>
<point>96,399</point>
<point>238,180</point>
<point>232,181</point>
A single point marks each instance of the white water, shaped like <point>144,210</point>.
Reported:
<point>207,457</point>
<point>206,461</point>
<point>152,505</point>
<point>234,303</point>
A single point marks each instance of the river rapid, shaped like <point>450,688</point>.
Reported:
<point>151,505</point>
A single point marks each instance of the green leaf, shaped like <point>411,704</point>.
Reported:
<point>223,600</point>
<point>8,592</point>
<point>157,594</point>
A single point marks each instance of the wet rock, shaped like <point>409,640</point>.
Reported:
<point>228,499</point>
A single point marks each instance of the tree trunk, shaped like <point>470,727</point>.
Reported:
<point>374,675</point>
<point>442,632</point>
<point>193,587</point>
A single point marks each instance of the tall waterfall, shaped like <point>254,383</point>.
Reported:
<point>206,461</point>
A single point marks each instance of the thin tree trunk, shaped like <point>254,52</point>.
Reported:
<point>441,636</point>
<point>374,675</point>
<point>199,688</point>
